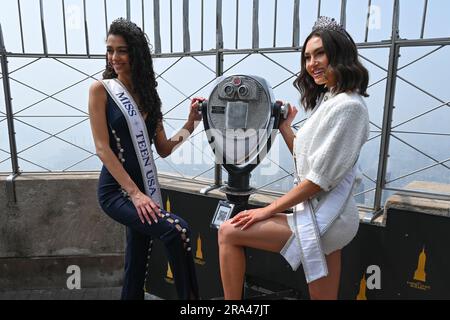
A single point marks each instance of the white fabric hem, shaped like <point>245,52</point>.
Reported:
<point>291,249</point>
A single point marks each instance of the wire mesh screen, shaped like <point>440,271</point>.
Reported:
<point>55,50</point>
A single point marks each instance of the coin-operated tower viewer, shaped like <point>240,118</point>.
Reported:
<point>241,118</point>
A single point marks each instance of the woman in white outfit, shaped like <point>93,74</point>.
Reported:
<point>332,83</point>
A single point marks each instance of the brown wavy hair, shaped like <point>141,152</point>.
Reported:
<point>142,73</point>
<point>343,60</point>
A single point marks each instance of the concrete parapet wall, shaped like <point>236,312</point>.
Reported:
<point>56,222</point>
<point>56,215</point>
<point>422,204</point>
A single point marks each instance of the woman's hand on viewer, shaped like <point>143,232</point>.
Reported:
<point>248,217</point>
<point>146,208</point>
<point>292,112</point>
<point>194,114</point>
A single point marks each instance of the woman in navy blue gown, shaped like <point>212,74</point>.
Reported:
<point>122,192</point>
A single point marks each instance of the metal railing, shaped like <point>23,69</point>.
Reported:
<point>384,131</point>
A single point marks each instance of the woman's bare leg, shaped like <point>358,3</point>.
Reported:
<point>232,270</point>
<point>270,235</point>
<point>327,288</point>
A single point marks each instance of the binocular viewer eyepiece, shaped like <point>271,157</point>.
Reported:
<point>241,118</point>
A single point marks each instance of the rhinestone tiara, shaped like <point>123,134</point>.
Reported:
<point>327,23</point>
<point>127,24</point>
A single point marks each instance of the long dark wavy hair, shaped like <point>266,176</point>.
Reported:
<point>343,60</point>
<point>142,74</point>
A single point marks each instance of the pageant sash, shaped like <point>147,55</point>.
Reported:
<point>139,136</point>
<point>312,223</point>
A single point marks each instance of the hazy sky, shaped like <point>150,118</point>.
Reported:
<point>188,75</point>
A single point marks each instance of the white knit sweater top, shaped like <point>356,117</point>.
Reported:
<point>329,142</point>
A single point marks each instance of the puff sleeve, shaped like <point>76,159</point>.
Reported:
<point>336,143</point>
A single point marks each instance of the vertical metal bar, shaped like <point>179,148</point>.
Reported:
<point>64,24</point>
<point>388,107</point>
<point>219,73</point>
<point>156,26</point>
<point>275,14</point>
<point>219,62</point>
<point>171,28</point>
<point>44,38</point>
<point>255,25</point>
<point>106,17</point>
<point>86,34</point>
<point>128,10</point>
<point>237,25</point>
<point>367,20</point>
<point>343,13</point>
<point>10,186</point>
<point>186,35</point>
<point>219,31</point>
<point>318,8</point>
<point>424,18</point>
<point>296,24</point>
<point>21,27</point>
<point>143,15</point>
<point>202,31</point>
<point>8,105</point>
